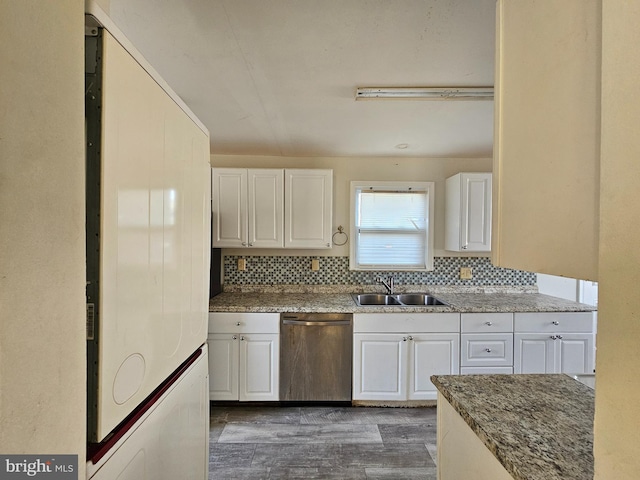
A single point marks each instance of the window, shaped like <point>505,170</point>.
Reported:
<point>391,225</point>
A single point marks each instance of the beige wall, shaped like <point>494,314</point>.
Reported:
<point>357,168</point>
<point>617,420</point>
<point>546,148</point>
<point>42,261</point>
<point>104,5</point>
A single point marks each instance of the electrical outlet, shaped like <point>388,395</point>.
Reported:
<point>242,264</point>
<point>315,264</point>
<point>466,273</point>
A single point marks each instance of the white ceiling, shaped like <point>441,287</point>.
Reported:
<point>278,77</point>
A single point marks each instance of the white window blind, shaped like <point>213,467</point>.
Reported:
<point>391,228</point>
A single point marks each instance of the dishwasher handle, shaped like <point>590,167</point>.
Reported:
<point>311,323</point>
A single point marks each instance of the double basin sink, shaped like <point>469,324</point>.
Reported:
<point>396,300</point>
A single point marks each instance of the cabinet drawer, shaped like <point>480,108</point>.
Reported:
<point>485,370</point>
<point>227,322</point>
<point>555,322</point>
<point>486,350</point>
<point>406,322</point>
<point>487,322</point>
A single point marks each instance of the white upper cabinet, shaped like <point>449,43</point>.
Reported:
<point>308,211</point>
<point>468,212</point>
<point>266,207</point>
<point>248,207</point>
<point>546,159</point>
<point>272,208</point>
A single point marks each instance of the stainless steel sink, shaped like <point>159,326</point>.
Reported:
<point>400,300</point>
<point>375,299</point>
<point>418,299</point>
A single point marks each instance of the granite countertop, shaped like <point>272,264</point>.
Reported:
<point>458,300</point>
<point>540,427</point>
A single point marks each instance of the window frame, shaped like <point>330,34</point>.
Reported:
<point>428,188</point>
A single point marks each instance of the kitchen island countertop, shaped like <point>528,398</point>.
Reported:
<point>539,427</point>
<point>277,302</point>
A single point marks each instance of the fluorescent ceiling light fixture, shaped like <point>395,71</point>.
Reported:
<point>425,93</point>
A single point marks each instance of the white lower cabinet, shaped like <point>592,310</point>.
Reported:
<point>486,343</point>
<point>431,354</point>
<point>486,370</point>
<point>486,350</point>
<point>244,356</point>
<point>396,354</point>
<point>380,366</point>
<point>554,342</point>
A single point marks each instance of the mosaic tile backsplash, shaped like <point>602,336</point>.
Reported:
<point>284,270</point>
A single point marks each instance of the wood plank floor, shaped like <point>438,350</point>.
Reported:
<point>314,442</point>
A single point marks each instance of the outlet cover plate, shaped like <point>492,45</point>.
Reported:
<point>466,273</point>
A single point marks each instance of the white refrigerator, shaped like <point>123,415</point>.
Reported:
<point>148,253</point>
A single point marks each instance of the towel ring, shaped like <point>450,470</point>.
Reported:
<point>340,232</point>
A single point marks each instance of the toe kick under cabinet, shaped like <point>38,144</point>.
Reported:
<point>244,356</point>
<point>395,354</point>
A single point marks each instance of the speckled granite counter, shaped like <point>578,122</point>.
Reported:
<point>540,427</point>
<point>343,303</point>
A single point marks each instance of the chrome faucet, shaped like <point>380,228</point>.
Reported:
<point>388,284</point>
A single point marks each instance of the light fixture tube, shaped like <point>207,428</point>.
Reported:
<point>425,93</point>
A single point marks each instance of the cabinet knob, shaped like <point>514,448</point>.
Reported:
<point>488,350</point>
<point>242,338</point>
<point>235,337</point>
<point>559,337</point>
<point>488,324</point>
<point>410,337</point>
<point>555,322</point>
<point>237,324</point>
<point>404,339</point>
<point>464,247</point>
<point>244,244</point>
<point>328,245</point>
<point>553,337</point>
<point>251,244</point>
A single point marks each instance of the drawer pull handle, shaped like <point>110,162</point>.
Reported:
<point>488,324</point>
<point>488,350</point>
<point>555,322</point>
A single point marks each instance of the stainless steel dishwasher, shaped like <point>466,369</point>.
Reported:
<point>315,356</point>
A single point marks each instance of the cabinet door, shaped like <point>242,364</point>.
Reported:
<point>431,354</point>
<point>380,366</point>
<point>229,207</point>
<point>266,208</point>
<point>468,212</point>
<point>533,353</point>
<point>575,353</point>
<point>223,366</point>
<point>308,208</point>
<point>259,367</point>
<point>475,214</point>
